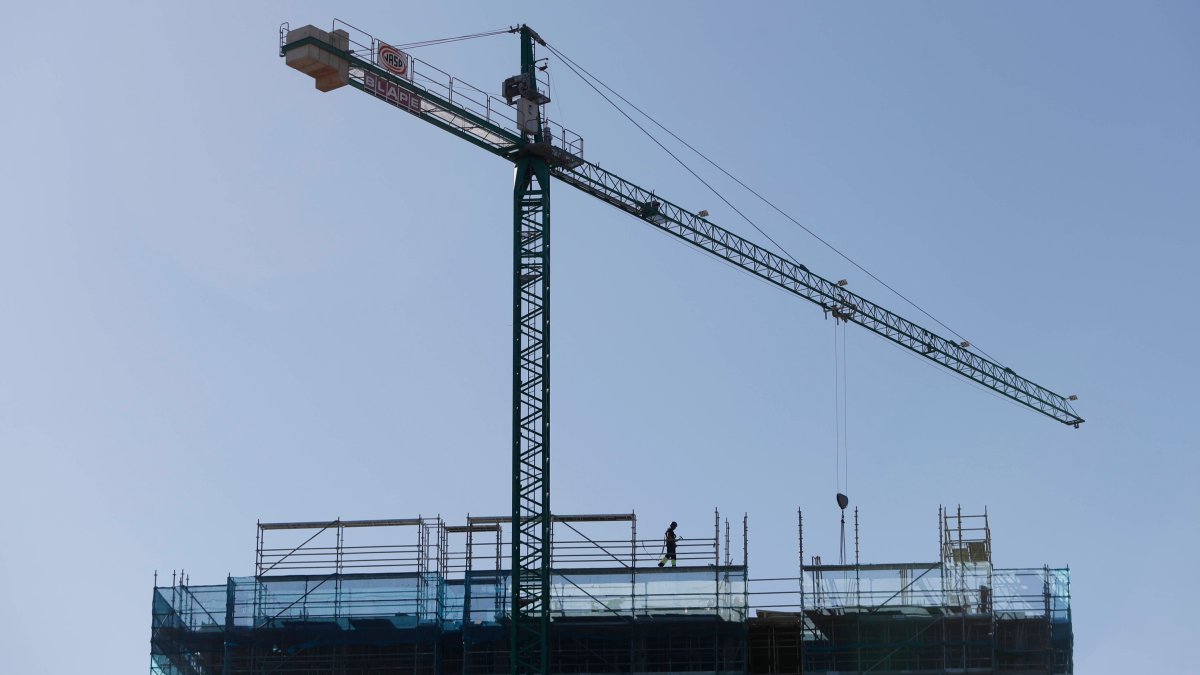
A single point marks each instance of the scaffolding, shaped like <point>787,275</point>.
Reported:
<point>419,595</point>
<point>958,614</point>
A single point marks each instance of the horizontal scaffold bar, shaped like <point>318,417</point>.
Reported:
<point>323,524</point>
<point>580,518</point>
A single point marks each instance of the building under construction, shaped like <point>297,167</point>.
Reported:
<point>421,595</point>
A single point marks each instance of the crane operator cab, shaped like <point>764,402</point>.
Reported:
<point>524,94</point>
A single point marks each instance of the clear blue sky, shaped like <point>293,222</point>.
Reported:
<point>228,297</point>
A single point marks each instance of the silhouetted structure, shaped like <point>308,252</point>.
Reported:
<point>420,596</point>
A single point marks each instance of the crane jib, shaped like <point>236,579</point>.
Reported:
<point>798,280</point>
<point>492,133</point>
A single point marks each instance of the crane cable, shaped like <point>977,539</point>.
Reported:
<point>574,66</point>
<point>570,64</point>
<point>841,428</point>
<point>445,40</point>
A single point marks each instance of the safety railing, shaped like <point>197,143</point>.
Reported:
<point>1017,592</point>
<point>482,598</point>
<point>719,591</point>
<point>466,107</point>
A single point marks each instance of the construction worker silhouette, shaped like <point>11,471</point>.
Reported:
<point>669,542</point>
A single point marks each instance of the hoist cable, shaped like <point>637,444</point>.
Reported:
<point>845,419</point>
<point>573,65</point>
<point>838,402</point>
<point>841,409</point>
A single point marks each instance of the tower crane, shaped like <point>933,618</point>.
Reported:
<point>518,130</point>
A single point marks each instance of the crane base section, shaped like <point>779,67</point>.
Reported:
<point>328,69</point>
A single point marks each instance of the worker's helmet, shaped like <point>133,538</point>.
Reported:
<point>674,524</point>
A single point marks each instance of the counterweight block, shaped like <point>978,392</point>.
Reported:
<point>328,69</point>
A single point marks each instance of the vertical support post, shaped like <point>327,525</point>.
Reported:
<point>728,565</point>
<point>746,542</point>
<point>499,591</point>
<point>746,561</point>
<point>230,596</point>
<point>633,541</point>
<point>530,624</point>
<point>1048,655</point>
<point>716,568</point>
<point>857,594</point>
<point>632,569</point>
<point>337,568</point>
<point>800,540</point>
<point>961,592</point>
<point>857,576</point>
<point>422,593</point>
<point>258,547</point>
<point>468,566</point>
<point>258,570</point>
<point>439,577</point>
<point>716,537</point>
<point>1066,595</point>
<point>942,574</point>
<point>443,568</point>
<point>728,552</point>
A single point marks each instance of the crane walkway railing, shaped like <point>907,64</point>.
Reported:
<point>435,95</point>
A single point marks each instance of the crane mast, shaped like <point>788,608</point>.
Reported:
<point>530,612</point>
<point>540,149</point>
